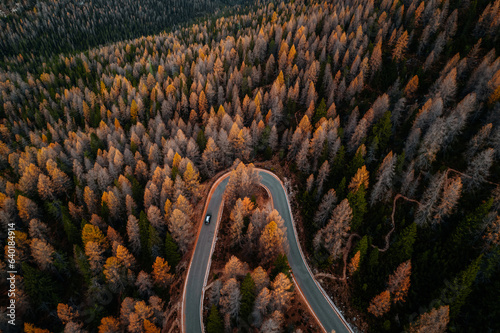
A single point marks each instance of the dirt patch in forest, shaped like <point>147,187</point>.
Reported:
<point>339,292</point>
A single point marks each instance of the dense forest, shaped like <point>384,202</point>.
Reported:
<point>29,28</point>
<point>385,115</point>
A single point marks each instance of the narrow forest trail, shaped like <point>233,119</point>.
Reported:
<point>322,307</point>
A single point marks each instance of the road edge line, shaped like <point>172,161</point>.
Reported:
<point>307,303</point>
<point>207,201</point>
<point>219,217</point>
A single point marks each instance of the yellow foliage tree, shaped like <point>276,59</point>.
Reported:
<point>45,78</point>
<point>170,89</point>
<point>149,327</point>
<point>27,208</point>
<point>281,291</point>
<point>274,18</point>
<point>257,100</point>
<point>86,111</point>
<point>65,313</point>
<point>93,233</point>
<point>183,204</point>
<point>142,310</point>
<point>221,112</point>
<point>30,328</point>
<point>168,209</point>
<point>134,110</point>
<point>495,96</point>
<point>109,325</point>
<point>291,54</point>
<point>191,178</point>
<point>103,88</point>
<point>117,124</point>
<point>268,116</point>
<point>272,241</point>
<point>399,49</point>
<point>124,256</point>
<point>112,270</point>
<point>202,103</point>
<point>354,265</point>
<point>305,124</point>
<point>104,198</point>
<point>360,178</point>
<point>177,160</point>
<point>161,274</point>
<point>380,304</point>
<point>280,78</point>
<point>247,205</point>
<point>411,87</point>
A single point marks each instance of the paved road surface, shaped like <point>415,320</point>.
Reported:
<point>324,311</point>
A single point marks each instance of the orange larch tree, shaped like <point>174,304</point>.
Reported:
<point>380,304</point>
<point>399,282</point>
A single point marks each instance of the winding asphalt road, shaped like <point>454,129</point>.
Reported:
<point>319,303</point>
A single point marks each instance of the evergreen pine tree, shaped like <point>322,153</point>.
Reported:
<point>172,255</point>
<point>144,227</point>
<point>357,201</point>
<point>382,130</point>
<point>215,324</point>
<point>320,111</point>
<point>247,297</point>
<point>402,248</point>
<point>280,265</point>
<point>456,293</point>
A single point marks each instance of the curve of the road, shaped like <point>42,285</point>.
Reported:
<point>321,306</point>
